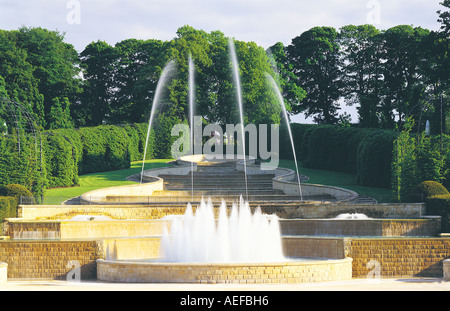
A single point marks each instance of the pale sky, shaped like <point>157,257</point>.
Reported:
<point>265,22</point>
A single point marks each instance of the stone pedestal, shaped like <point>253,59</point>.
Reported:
<point>3,273</point>
<point>446,267</point>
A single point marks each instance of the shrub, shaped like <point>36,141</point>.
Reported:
<point>426,189</point>
<point>439,205</point>
<point>8,207</point>
<point>21,193</point>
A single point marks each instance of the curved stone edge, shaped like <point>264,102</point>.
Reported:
<point>282,181</point>
<point>285,272</point>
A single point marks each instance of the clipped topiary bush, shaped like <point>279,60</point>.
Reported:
<point>21,193</point>
<point>425,190</point>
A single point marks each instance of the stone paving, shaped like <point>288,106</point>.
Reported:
<point>394,284</point>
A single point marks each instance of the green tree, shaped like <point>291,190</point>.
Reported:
<point>97,62</point>
<point>3,92</point>
<point>260,104</point>
<point>147,78</point>
<point>287,80</point>
<point>363,78</point>
<point>404,165</point>
<point>403,84</point>
<point>17,72</point>
<point>131,57</point>
<point>60,114</point>
<point>55,65</point>
<point>317,64</point>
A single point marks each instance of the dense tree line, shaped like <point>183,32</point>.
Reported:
<point>388,75</point>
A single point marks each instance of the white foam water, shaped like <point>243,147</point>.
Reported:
<point>240,237</point>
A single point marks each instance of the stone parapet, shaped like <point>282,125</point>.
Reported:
<point>292,271</point>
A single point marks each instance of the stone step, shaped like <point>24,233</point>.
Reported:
<point>224,182</point>
<point>217,175</point>
<point>217,188</point>
<point>219,198</point>
<point>363,199</point>
<point>215,192</point>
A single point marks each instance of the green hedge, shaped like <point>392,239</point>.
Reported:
<point>374,158</point>
<point>105,148</point>
<point>61,159</point>
<point>68,153</point>
<point>20,163</point>
<point>440,206</point>
<point>137,134</point>
<point>366,153</point>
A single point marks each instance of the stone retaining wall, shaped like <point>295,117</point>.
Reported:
<point>395,257</point>
<point>364,227</point>
<point>47,229</point>
<point>288,211</point>
<point>50,259</point>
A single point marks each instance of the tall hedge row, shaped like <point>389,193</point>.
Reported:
<point>366,153</point>
<point>72,152</point>
<point>20,158</point>
<point>67,153</point>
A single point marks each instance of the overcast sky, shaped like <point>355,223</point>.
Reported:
<point>265,22</point>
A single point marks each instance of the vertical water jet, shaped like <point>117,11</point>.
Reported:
<point>281,100</point>
<point>237,81</point>
<point>161,83</point>
<point>191,117</point>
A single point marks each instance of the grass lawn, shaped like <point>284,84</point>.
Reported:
<point>94,181</point>
<point>339,179</point>
<point>118,178</point>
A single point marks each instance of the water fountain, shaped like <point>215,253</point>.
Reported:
<point>191,117</point>
<point>286,118</point>
<point>159,87</point>
<point>126,243</point>
<point>235,248</point>
<point>241,237</point>
<point>237,81</point>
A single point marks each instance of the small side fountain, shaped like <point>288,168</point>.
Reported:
<point>354,216</point>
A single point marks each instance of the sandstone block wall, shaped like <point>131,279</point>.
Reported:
<point>50,259</point>
<point>399,257</point>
